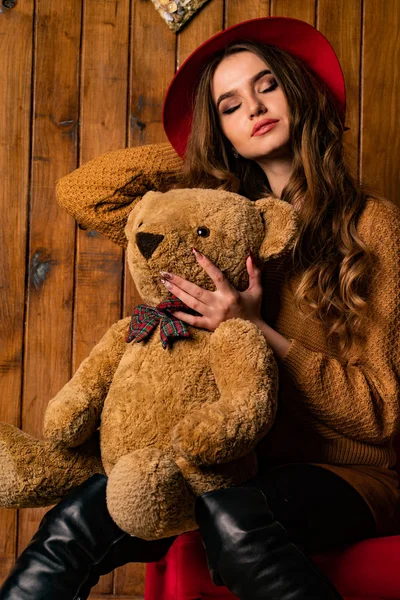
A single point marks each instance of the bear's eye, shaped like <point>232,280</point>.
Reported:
<point>203,231</point>
<point>140,224</point>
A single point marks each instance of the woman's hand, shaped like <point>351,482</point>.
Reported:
<point>222,304</point>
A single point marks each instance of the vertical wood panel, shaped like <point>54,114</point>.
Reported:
<point>207,23</point>
<point>51,255</point>
<point>152,67</point>
<point>237,10</point>
<point>15,108</point>
<point>304,9</point>
<point>380,140</point>
<point>333,21</point>
<point>103,128</point>
<point>103,120</point>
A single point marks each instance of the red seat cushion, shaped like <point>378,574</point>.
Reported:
<point>369,569</point>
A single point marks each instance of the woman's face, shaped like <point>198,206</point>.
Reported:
<point>246,93</point>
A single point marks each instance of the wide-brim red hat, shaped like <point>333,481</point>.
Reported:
<point>296,37</point>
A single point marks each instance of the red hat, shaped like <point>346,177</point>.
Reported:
<point>296,37</point>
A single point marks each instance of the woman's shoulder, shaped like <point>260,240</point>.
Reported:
<point>380,221</point>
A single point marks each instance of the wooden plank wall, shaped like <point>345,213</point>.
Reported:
<point>79,78</point>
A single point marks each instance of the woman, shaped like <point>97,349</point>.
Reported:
<point>268,119</point>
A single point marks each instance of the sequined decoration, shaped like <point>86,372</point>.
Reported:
<point>177,12</point>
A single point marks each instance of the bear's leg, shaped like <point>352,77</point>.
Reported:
<point>206,479</point>
<point>38,473</point>
<point>148,497</point>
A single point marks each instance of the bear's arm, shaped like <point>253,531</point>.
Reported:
<point>102,192</point>
<point>246,374</point>
<point>73,415</point>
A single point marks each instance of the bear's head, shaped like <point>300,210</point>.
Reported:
<point>163,228</point>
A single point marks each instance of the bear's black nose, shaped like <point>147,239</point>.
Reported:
<point>148,242</point>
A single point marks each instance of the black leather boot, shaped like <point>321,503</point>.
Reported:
<point>77,541</point>
<point>250,553</point>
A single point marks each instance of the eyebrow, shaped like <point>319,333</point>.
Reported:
<point>253,80</point>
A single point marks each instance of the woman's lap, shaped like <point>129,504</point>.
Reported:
<point>319,509</point>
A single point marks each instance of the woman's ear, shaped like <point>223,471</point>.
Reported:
<point>280,227</point>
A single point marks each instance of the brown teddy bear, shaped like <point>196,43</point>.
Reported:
<point>179,409</point>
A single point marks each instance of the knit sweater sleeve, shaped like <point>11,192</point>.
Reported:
<point>361,399</point>
<point>102,192</point>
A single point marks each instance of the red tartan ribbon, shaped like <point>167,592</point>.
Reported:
<point>145,319</point>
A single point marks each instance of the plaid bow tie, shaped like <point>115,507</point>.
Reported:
<point>146,318</point>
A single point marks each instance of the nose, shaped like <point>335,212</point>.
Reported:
<point>256,107</point>
<point>148,242</point>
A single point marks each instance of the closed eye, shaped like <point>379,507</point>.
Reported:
<point>271,87</point>
<point>229,111</point>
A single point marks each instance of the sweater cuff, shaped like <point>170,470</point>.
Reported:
<point>299,362</point>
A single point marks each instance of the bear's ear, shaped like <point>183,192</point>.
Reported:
<point>280,227</point>
<point>138,203</point>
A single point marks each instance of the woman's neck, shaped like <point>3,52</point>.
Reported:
<point>278,172</point>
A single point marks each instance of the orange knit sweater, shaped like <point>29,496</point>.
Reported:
<point>341,416</point>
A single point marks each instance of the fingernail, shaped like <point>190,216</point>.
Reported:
<point>165,275</point>
<point>167,284</point>
<point>197,253</point>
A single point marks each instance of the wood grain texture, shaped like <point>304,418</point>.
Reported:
<point>237,10</point>
<point>303,9</point>
<point>333,21</point>
<point>380,140</point>
<point>207,23</point>
<point>152,65</point>
<point>15,133</point>
<point>104,68</point>
<point>52,232</point>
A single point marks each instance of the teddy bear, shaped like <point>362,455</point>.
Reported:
<point>179,410</point>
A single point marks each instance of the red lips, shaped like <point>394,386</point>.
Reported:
<point>262,123</point>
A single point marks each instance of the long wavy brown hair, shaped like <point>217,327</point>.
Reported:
<point>333,259</point>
